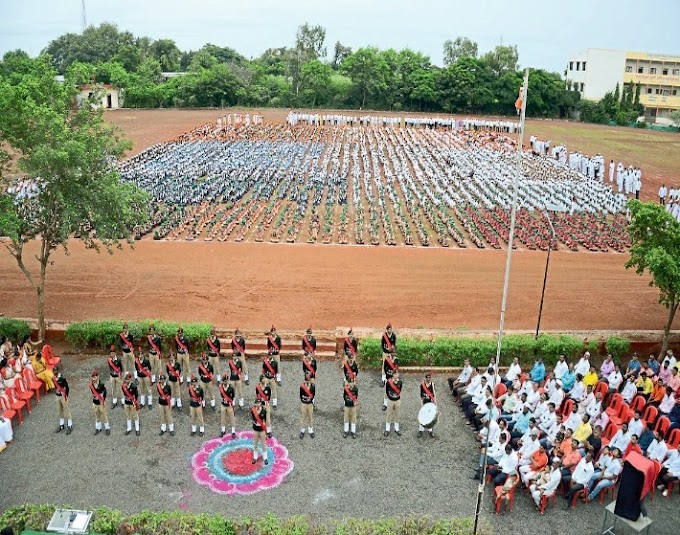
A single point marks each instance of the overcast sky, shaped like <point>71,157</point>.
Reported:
<point>546,33</point>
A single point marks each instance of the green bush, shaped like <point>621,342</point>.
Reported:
<point>14,330</point>
<point>107,522</point>
<point>452,351</point>
<point>101,334</point>
<point>617,347</point>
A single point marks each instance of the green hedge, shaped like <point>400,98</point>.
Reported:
<point>452,351</point>
<point>618,347</point>
<point>111,522</point>
<point>14,330</point>
<point>101,334</point>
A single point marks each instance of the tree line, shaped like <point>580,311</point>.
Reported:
<point>305,75</point>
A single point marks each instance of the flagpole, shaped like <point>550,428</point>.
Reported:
<point>508,264</point>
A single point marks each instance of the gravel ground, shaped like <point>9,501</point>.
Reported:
<point>333,477</point>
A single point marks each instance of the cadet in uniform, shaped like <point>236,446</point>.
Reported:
<point>143,375</point>
<point>116,372</point>
<point>227,409</point>
<point>350,368</point>
<point>154,352</point>
<point>350,345</point>
<point>238,347</point>
<point>351,397</point>
<point>389,350</point>
<point>270,369</point>
<point>261,422</point>
<point>274,349</point>
<point>130,395</point>
<point>309,365</point>
<point>427,395</point>
<point>165,401</point>
<point>264,392</point>
<point>235,374</point>
<point>196,403</point>
<point>390,368</point>
<point>393,393</point>
<point>174,373</point>
<point>214,353</point>
<point>182,345</point>
<point>205,370</point>
<point>98,391</point>
<point>307,393</point>
<point>62,391</point>
<point>127,345</point>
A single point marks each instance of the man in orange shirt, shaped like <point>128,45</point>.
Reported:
<point>539,459</point>
<point>658,392</point>
<point>569,462</point>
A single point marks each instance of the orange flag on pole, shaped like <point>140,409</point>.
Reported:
<point>520,100</point>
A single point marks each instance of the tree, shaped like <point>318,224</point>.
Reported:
<point>655,248</point>
<point>67,153</point>
<point>309,45</point>
<point>340,54</point>
<point>167,54</point>
<point>465,86</point>
<point>502,59</point>
<point>462,47</point>
<point>369,72</point>
<point>675,117</point>
<point>315,79</point>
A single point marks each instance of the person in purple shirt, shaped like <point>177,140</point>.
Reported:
<point>606,368</point>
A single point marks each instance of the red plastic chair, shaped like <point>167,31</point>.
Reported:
<point>638,403</point>
<point>614,405</point>
<point>657,469</point>
<point>673,439</point>
<point>6,410</point>
<point>499,390</point>
<point>567,407</point>
<point>583,493</point>
<point>607,490</point>
<point>609,433</point>
<point>510,496</point>
<point>23,392</point>
<point>35,384</point>
<point>50,358</point>
<point>15,403</point>
<point>544,502</point>
<point>650,415</point>
<point>663,424</point>
<point>624,415</point>
<point>602,387</point>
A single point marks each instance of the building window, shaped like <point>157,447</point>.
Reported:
<point>652,70</point>
<point>584,66</point>
<point>582,87</point>
<point>674,92</point>
<point>676,72</point>
<point>665,72</point>
<point>578,65</point>
<point>629,68</point>
<point>649,90</point>
<point>571,65</point>
<point>657,91</point>
<point>665,92</point>
<point>641,70</point>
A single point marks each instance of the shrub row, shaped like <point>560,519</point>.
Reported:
<point>101,334</point>
<point>14,330</point>
<point>452,351</point>
<point>112,522</point>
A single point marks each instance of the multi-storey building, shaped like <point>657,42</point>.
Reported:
<point>595,71</point>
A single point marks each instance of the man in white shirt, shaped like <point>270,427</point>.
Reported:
<point>513,372</point>
<point>589,397</point>
<point>621,439</point>
<point>507,465</point>
<point>657,448</point>
<point>615,379</point>
<point>549,487</point>
<point>557,395</point>
<point>573,419</point>
<point>493,453</point>
<point>462,379</point>
<point>583,365</point>
<point>636,425</point>
<point>670,471</point>
<point>594,408</point>
<point>582,474</point>
<point>547,419</point>
<point>533,397</point>
<point>662,194</point>
<point>629,390</point>
<point>560,368</point>
<point>579,391</point>
<point>609,469</point>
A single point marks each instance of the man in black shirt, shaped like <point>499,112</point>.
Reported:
<point>227,410</point>
<point>307,393</point>
<point>393,393</point>
<point>260,417</point>
<point>165,401</point>
<point>196,402</point>
<point>61,391</point>
<point>350,395</point>
<point>130,403</point>
<point>98,391</point>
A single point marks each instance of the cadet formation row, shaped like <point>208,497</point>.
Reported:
<point>136,377</point>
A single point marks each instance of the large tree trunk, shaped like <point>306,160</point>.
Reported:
<point>40,290</point>
<point>667,328</point>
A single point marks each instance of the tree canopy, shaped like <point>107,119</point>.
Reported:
<point>655,249</point>
<point>68,183</point>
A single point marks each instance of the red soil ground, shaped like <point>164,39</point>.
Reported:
<point>252,285</point>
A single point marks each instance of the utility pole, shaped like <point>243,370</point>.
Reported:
<point>83,20</point>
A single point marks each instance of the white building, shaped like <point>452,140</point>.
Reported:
<point>111,97</point>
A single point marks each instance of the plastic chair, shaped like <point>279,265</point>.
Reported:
<point>583,493</point>
<point>609,433</point>
<point>35,384</point>
<point>544,502</point>
<point>638,403</point>
<point>663,424</point>
<point>499,390</point>
<point>657,469</point>
<point>607,490</point>
<point>673,439</point>
<point>614,405</point>
<point>15,403</point>
<point>567,407</point>
<point>510,496</point>
<point>6,411</point>
<point>624,415</point>
<point>50,358</point>
<point>602,387</point>
<point>650,415</point>
<point>23,392</point>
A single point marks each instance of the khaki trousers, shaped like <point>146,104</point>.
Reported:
<point>215,363</point>
<point>128,362</point>
<point>183,359</point>
<point>116,386</point>
<point>238,389</point>
<point>227,416</point>
<point>63,408</point>
<point>156,365</point>
<point>130,412</point>
<point>174,389</point>
<point>144,386</point>
<point>307,414</point>
<point>196,414</point>
<point>100,413</point>
<point>350,415</point>
<point>209,389</point>
<point>166,414</point>
<point>393,411</point>
<point>260,437</point>
<point>274,387</point>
